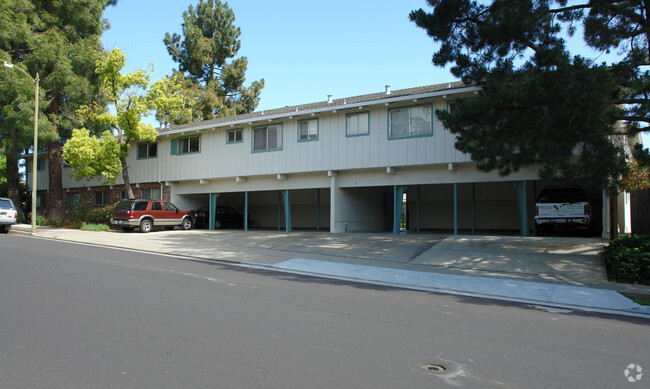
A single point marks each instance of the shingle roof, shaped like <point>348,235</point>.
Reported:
<point>297,109</point>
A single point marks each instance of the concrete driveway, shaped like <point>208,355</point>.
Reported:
<point>572,261</point>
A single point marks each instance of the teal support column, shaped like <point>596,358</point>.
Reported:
<point>398,200</point>
<point>213,209</point>
<point>318,210</point>
<point>287,211</point>
<point>523,209</point>
<point>418,208</point>
<point>455,209</point>
<point>473,208</point>
<point>279,210</point>
<point>245,211</point>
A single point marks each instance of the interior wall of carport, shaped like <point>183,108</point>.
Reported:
<point>309,208</point>
<point>483,206</point>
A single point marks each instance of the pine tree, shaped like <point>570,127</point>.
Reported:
<point>539,104</point>
<point>59,41</point>
<point>209,75</point>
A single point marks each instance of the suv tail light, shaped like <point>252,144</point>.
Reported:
<point>586,209</point>
<point>130,214</point>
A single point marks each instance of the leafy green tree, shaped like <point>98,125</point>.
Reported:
<point>212,80</point>
<point>59,41</point>
<point>540,105</point>
<point>133,98</point>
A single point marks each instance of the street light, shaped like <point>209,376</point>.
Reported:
<point>35,160</point>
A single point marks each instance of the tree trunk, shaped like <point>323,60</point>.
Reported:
<point>127,181</point>
<point>55,202</point>
<point>13,177</point>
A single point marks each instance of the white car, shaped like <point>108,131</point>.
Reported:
<point>8,214</point>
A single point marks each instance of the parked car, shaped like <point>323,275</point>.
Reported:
<point>562,207</point>
<point>8,215</point>
<point>225,217</point>
<point>147,214</point>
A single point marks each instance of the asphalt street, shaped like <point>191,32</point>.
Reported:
<point>79,316</point>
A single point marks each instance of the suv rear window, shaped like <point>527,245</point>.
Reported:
<point>562,195</point>
<point>6,204</point>
<point>124,205</point>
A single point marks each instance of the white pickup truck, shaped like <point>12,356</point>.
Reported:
<point>562,207</point>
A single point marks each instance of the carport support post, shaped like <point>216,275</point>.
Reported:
<point>245,211</point>
<point>455,209</point>
<point>418,208</point>
<point>398,202</point>
<point>473,208</point>
<point>213,209</point>
<point>523,209</point>
<point>287,211</point>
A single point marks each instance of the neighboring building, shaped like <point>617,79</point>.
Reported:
<point>337,165</point>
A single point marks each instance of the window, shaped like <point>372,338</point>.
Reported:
<point>234,136</point>
<point>357,124</point>
<point>307,130</point>
<point>410,122</point>
<point>170,207</point>
<point>267,138</point>
<point>451,107</point>
<point>123,195</point>
<point>187,145</point>
<point>150,194</point>
<point>73,199</point>
<point>147,150</point>
<point>156,206</point>
<point>102,198</point>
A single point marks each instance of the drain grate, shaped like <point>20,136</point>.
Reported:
<point>433,368</point>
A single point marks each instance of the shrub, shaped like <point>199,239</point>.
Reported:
<point>628,259</point>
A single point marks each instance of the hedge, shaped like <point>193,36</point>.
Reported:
<point>627,259</point>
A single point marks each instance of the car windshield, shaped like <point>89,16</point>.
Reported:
<point>6,204</point>
<point>562,195</point>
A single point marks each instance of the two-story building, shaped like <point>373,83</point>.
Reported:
<point>376,162</point>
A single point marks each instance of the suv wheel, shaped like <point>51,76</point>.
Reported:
<point>187,223</point>
<point>146,225</point>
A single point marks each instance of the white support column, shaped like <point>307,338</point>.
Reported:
<point>606,230</point>
<point>334,195</point>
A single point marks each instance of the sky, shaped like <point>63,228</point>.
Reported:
<point>304,50</point>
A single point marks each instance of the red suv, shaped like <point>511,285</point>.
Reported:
<point>147,214</point>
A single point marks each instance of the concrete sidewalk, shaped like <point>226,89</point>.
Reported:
<point>555,272</point>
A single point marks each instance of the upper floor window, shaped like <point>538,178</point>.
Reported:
<point>307,130</point>
<point>187,145</point>
<point>267,138</point>
<point>451,107</point>
<point>357,124</point>
<point>410,121</point>
<point>147,150</point>
<point>234,136</point>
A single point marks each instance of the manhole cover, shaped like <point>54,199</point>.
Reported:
<point>433,368</point>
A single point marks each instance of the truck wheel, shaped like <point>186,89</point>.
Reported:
<point>146,225</point>
<point>187,223</point>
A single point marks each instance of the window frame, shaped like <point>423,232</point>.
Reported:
<point>347,124</point>
<point>409,108</point>
<point>309,139</point>
<point>75,197</point>
<point>235,131</point>
<point>148,145</point>
<point>266,127</point>
<point>176,145</point>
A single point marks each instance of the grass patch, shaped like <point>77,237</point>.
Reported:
<point>94,227</point>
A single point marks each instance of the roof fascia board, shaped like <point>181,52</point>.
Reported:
<point>323,109</point>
